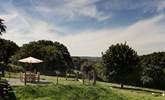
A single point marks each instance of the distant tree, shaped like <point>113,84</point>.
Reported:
<point>86,67</point>
<point>120,61</point>
<point>2,27</point>
<point>78,62</point>
<point>100,70</point>
<point>88,72</point>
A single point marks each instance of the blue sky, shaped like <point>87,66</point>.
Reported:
<point>87,27</point>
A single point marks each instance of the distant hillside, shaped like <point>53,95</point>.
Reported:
<point>89,58</point>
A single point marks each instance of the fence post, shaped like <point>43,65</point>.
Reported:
<point>94,77</point>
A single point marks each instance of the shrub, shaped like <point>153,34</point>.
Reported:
<point>6,92</point>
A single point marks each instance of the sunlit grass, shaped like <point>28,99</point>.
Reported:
<point>71,90</point>
<point>66,92</point>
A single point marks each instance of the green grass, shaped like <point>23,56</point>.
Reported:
<point>135,93</point>
<point>74,90</point>
<point>140,95</point>
<point>66,92</point>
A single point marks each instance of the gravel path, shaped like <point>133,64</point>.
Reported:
<point>14,82</point>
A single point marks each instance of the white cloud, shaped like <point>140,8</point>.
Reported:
<point>71,9</point>
<point>161,5</point>
<point>21,28</point>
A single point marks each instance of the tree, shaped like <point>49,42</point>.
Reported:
<point>88,72</point>
<point>7,49</point>
<point>120,61</point>
<point>78,62</point>
<point>2,27</point>
<point>153,70</point>
<point>100,71</point>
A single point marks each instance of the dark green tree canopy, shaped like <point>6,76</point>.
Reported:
<point>120,61</point>
<point>153,74</point>
<point>2,27</point>
<point>54,54</point>
<point>7,49</point>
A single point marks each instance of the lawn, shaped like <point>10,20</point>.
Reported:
<point>75,90</point>
<point>66,92</point>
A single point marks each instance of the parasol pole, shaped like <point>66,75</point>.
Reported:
<point>25,77</point>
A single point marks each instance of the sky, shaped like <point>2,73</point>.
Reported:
<point>87,27</point>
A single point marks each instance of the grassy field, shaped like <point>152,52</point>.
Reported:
<point>75,90</point>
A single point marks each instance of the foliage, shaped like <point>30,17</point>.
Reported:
<point>153,74</point>
<point>120,61</point>
<point>6,92</point>
<point>54,55</point>
<point>3,66</point>
<point>86,67</point>
<point>78,62</point>
<point>2,27</point>
<point>15,68</point>
<point>122,65</point>
<point>100,70</point>
<point>7,49</point>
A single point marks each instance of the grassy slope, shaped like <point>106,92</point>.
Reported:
<point>72,90</point>
<point>66,92</point>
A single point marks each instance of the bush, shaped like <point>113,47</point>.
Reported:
<point>6,92</point>
<point>15,68</point>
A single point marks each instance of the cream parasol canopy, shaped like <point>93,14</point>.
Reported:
<point>30,60</point>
